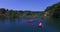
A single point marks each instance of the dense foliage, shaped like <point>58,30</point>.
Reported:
<point>5,13</point>
<point>54,10</point>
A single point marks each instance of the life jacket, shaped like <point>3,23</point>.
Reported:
<point>40,24</point>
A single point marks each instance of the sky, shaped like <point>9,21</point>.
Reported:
<point>33,5</point>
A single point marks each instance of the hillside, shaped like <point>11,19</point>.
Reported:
<point>54,10</point>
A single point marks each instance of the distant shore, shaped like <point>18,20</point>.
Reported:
<point>5,13</point>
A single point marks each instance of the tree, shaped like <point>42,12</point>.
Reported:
<point>2,10</point>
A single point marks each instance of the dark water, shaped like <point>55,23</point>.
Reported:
<point>21,25</point>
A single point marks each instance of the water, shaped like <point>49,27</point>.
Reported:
<point>21,25</point>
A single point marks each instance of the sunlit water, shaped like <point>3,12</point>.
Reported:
<point>21,25</point>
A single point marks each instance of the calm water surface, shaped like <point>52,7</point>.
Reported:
<point>21,25</point>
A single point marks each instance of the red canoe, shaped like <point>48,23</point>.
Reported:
<point>30,21</point>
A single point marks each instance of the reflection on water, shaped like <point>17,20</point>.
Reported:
<point>2,21</point>
<point>21,25</point>
<point>54,22</point>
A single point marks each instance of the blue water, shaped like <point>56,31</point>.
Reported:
<point>21,25</point>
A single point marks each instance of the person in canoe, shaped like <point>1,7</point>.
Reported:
<point>40,24</point>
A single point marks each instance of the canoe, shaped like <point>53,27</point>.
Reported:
<point>30,21</point>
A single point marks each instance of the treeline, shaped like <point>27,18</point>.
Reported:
<point>5,13</point>
<point>54,10</point>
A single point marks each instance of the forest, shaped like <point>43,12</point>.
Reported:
<point>53,11</point>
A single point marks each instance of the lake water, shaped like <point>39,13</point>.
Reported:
<point>21,25</point>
